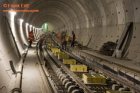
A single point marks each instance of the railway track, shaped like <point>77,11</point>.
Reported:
<point>89,88</point>
<point>94,65</point>
<point>71,74</point>
<point>117,75</point>
<point>63,80</point>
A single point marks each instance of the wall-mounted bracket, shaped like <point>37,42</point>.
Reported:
<point>12,67</point>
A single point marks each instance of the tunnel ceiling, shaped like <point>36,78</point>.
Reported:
<point>75,14</point>
<point>63,12</point>
<point>57,12</point>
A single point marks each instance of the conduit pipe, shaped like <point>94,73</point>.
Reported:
<point>19,72</point>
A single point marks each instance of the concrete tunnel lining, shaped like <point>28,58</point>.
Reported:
<point>94,22</point>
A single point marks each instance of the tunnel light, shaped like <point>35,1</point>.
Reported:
<point>21,31</point>
<point>31,27</point>
<point>12,18</point>
<point>45,26</point>
<point>21,20</point>
<point>27,24</point>
<point>12,13</point>
<point>27,30</point>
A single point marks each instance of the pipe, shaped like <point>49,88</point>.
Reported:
<point>18,82</point>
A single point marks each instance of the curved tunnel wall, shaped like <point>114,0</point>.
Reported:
<point>94,22</point>
<point>8,52</point>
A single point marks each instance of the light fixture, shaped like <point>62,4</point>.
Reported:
<point>12,12</point>
<point>22,32</point>
<point>27,24</point>
<point>12,22</point>
<point>21,20</point>
<point>31,26</point>
<point>27,30</point>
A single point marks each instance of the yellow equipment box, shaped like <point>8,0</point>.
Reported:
<point>50,44</point>
<point>55,51</point>
<point>94,79</point>
<point>69,61</point>
<point>67,38</point>
<point>62,55</point>
<point>78,68</point>
<point>114,91</point>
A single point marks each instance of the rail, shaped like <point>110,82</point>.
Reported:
<point>96,65</point>
<point>73,76</point>
<point>47,78</point>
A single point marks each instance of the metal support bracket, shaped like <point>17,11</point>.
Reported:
<point>12,67</point>
<point>17,90</point>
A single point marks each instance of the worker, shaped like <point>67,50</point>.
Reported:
<point>58,36</point>
<point>30,43</point>
<point>41,42</point>
<point>73,39</point>
<point>63,40</point>
<point>31,38</point>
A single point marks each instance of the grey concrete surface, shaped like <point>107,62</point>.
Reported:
<point>32,77</point>
<point>8,52</point>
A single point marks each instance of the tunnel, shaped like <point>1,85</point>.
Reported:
<point>105,34</point>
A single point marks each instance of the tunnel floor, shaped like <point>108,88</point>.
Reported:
<point>32,78</point>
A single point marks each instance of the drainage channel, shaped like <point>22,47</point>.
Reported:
<point>46,71</point>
